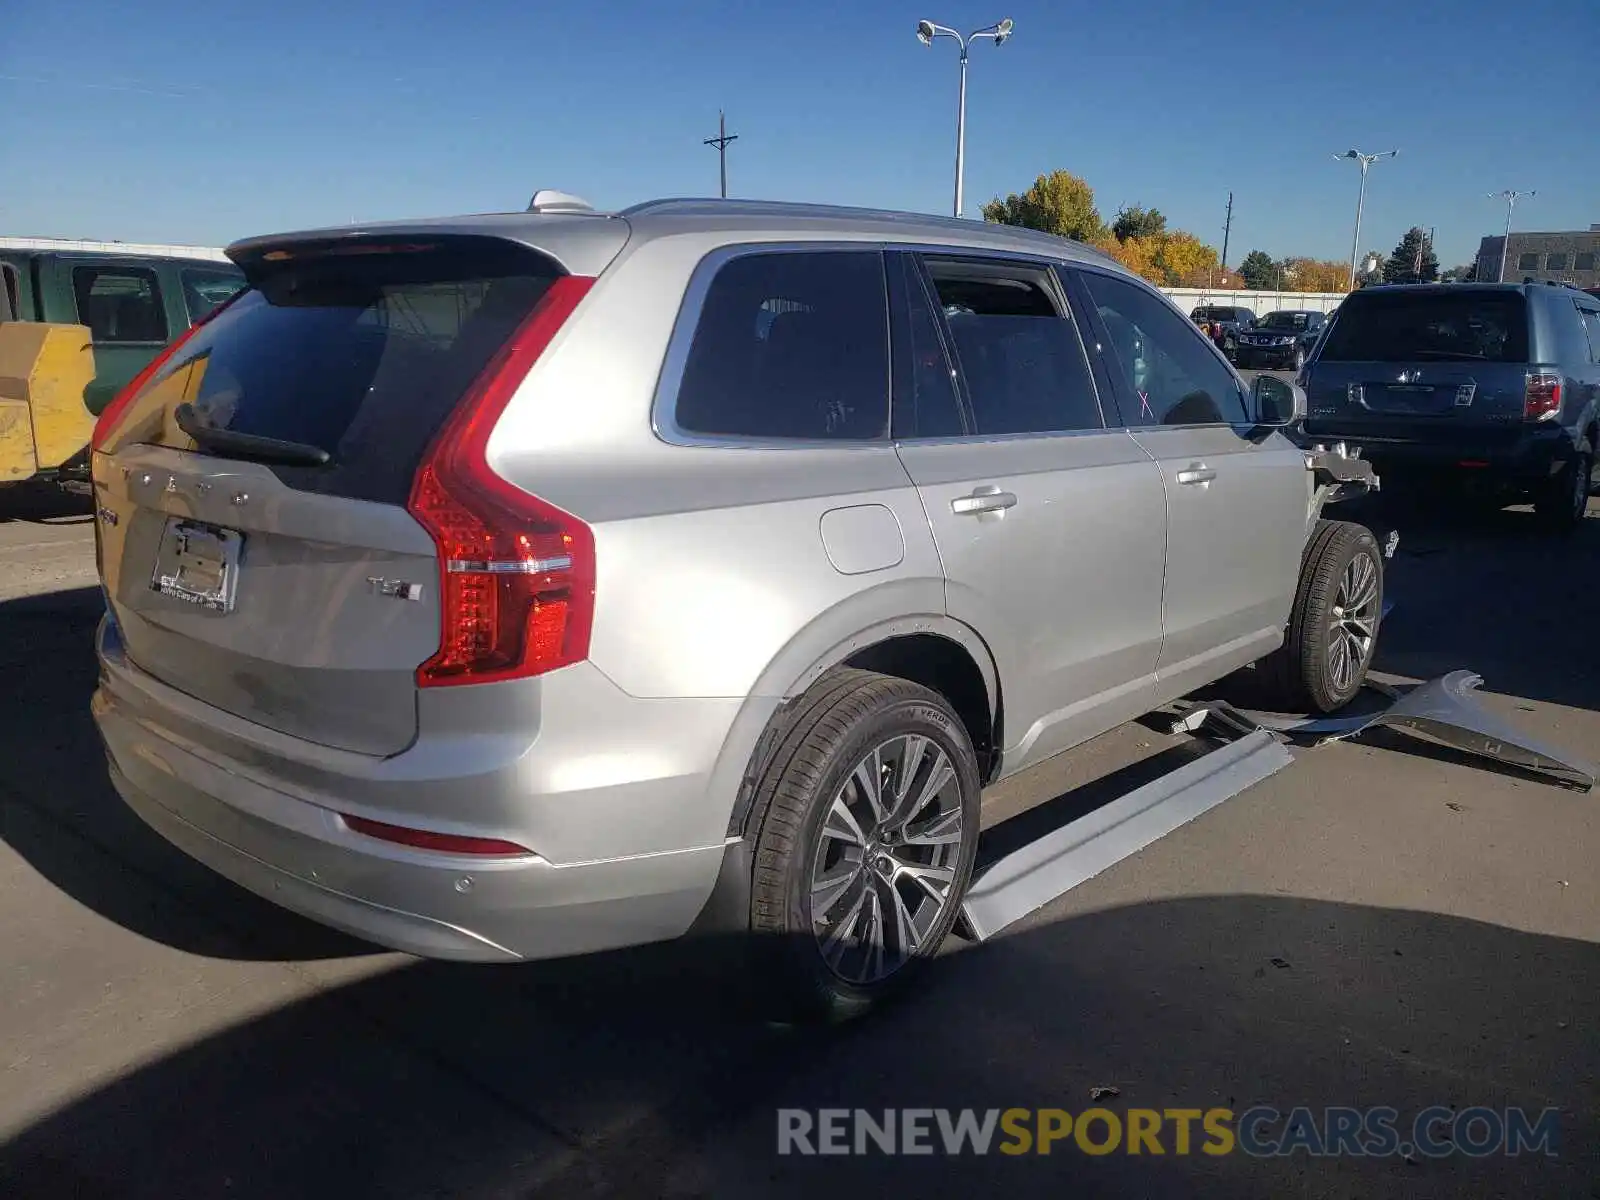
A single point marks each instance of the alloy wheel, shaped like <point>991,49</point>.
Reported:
<point>884,869</point>
<point>1354,621</point>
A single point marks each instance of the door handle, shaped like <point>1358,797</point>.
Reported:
<point>987,499</point>
<point>1197,473</point>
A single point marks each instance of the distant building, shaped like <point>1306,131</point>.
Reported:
<point>1572,257</point>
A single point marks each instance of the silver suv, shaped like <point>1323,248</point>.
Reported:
<point>511,586</point>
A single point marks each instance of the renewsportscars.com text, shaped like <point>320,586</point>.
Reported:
<point>1436,1132</point>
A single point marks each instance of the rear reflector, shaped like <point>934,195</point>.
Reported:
<point>516,573</point>
<point>1472,462</point>
<point>1542,400</point>
<point>427,839</point>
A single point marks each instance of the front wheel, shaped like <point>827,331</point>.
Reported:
<point>866,842</point>
<point>1299,359</point>
<point>1333,627</point>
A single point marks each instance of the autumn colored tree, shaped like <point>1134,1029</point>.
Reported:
<point>1058,203</point>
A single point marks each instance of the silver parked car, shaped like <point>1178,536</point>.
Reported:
<point>512,586</point>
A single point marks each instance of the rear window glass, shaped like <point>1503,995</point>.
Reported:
<point>204,289</point>
<point>1456,326</point>
<point>790,345</point>
<point>363,356</point>
<point>1286,320</point>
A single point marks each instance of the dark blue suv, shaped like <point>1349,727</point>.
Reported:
<point>1498,384</point>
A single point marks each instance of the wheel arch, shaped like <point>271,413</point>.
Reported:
<point>934,650</point>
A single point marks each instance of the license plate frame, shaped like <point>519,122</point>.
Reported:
<point>198,564</point>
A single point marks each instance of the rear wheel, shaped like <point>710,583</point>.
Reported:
<point>1333,627</point>
<point>1565,499</point>
<point>867,837</point>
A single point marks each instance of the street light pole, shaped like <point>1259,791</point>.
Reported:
<point>1511,199</point>
<point>927,31</point>
<point>1365,160</point>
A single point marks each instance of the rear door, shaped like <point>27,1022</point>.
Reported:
<point>1423,366</point>
<point>1049,525</point>
<point>125,306</point>
<point>1236,505</point>
<point>297,595</point>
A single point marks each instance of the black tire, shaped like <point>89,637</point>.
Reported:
<point>1299,359</point>
<point>1300,676</point>
<point>844,717</point>
<point>1565,499</point>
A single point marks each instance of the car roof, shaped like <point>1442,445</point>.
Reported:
<point>580,239</point>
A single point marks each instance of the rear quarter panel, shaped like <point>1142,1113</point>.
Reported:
<point>711,560</point>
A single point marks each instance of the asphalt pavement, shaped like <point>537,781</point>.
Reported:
<point>1384,923</point>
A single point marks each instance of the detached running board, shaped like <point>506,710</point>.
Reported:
<point>1032,876</point>
<point>1444,710</point>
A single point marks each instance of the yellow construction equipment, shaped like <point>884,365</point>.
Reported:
<point>44,423</point>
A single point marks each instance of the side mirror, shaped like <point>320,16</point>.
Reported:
<point>1275,404</point>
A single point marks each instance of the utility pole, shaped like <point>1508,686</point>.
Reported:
<point>1511,199</point>
<point>721,143</point>
<point>1227,228</point>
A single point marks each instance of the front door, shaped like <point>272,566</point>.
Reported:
<point>1237,501</point>
<point>1048,524</point>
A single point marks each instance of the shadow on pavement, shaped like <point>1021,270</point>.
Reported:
<point>47,503</point>
<point>645,1073</point>
<point>1491,591</point>
<point>59,811</point>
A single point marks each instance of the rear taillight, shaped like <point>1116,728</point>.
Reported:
<point>516,574</point>
<point>1542,400</point>
<point>112,412</point>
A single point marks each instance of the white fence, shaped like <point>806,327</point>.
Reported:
<point>139,249</point>
<point>1257,302</point>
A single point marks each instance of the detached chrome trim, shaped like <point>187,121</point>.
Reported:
<point>515,566</point>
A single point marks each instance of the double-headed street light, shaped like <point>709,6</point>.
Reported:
<point>1366,160</point>
<point>926,32</point>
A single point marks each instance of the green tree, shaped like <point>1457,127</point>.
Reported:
<point>1058,203</point>
<point>1259,271</point>
<point>1413,260</point>
<point>1462,274</point>
<point>1136,221</point>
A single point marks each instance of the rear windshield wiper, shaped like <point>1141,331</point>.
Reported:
<point>248,445</point>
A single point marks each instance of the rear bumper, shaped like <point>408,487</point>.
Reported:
<point>197,780</point>
<point>1525,457</point>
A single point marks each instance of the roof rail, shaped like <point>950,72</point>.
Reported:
<point>548,200</point>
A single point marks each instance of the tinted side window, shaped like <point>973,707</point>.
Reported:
<point>1174,376</point>
<point>1021,360</point>
<point>791,345</point>
<point>204,290</point>
<point>925,403</point>
<point>1591,325</point>
<point>120,304</point>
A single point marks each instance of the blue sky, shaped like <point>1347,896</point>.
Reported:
<point>161,121</point>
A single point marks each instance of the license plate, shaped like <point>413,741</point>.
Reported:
<point>198,564</point>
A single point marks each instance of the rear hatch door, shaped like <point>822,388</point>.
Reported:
<point>254,541</point>
<point>1422,365</point>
